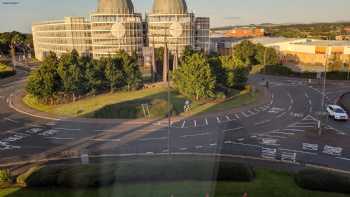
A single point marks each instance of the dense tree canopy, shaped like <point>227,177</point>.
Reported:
<point>194,78</point>
<point>73,76</point>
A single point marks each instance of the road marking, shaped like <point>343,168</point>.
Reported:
<point>218,119</point>
<point>290,108</point>
<point>195,135</point>
<point>245,115</point>
<point>343,158</point>
<point>306,95</point>
<point>262,122</point>
<point>149,153</point>
<point>292,101</point>
<point>283,133</point>
<point>296,130</point>
<point>106,140</point>
<point>228,118</point>
<point>310,102</point>
<point>235,129</point>
<point>214,144</point>
<point>199,147</point>
<point>237,116</point>
<point>272,136</point>
<point>206,121</point>
<point>298,151</point>
<point>228,142</point>
<point>67,129</point>
<point>154,139</point>
<point>183,149</point>
<point>183,124</point>
<point>252,113</point>
<point>309,117</point>
<point>10,120</point>
<point>59,138</point>
<point>195,123</point>
<point>281,115</point>
<point>243,144</point>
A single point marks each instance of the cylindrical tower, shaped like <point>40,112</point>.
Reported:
<point>114,27</point>
<point>167,16</point>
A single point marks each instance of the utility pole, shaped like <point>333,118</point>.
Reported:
<point>328,51</point>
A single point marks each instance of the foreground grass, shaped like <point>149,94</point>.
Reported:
<point>268,184</point>
<point>104,104</point>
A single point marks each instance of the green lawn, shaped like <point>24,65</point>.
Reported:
<point>128,104</point>
<point>268,184</point>
<point>5,71</point>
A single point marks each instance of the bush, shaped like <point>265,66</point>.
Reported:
<point>6,71</point>
<point>78,176</point>
<point>23,178</point>
<point>326,181</point>
<point>5,176</point>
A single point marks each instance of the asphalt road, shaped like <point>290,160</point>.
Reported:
<point>281,129</point>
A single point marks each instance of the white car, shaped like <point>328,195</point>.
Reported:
<point>337,112</point>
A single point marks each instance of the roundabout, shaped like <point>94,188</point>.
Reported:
<point>279,129</point>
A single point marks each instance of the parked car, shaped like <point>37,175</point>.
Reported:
<point>337,113</point>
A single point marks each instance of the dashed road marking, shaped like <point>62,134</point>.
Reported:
<point>214,144</point>
<point>218,120</point>
<point>105,140</point>
<point>281,115</point>
<point>234,129</point>
<point>298,151</point>
<point>206,121</point>
<point>262,122</point>
<point>237,116</point>
<point>199,147</point>
<point>295,130</point>
<point>245,115</point>
<point>58,138</point>
<point>183,149</point>
<point>195,135</point>
<point>228,118</point>
<point>283,133</point>
<point>195,123</point>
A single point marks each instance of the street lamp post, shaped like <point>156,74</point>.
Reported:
<point>328,51</point>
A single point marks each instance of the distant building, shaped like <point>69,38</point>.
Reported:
<point>308,54</point>
<point>342,37</point>
<point>245,32</point>
<point>114,26</point>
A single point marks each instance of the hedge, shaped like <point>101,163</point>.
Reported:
<point>83,176</point>
<point>321,180</point>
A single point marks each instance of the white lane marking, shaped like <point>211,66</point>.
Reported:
<point>290,108</point>
<point>10,120</point>
<point>183,149</point>
<point>306,95</point>
<point>262,122</point>
<point>149,153</point>
<point>295,130</point>
<point>243,144</point>
<point>272,136</point>
<point>214,144</point>
<point>67,129</point>
<point>292,101</point>
<point>310,102</point>
<point>281,115</point>
<point>235,129</point>
<point>302,126</point>
<point>343,158</point>
<point>228,142</point>
<point>228,118</point>
<point>309,117</point>
<point>237,116</point>
<point>272,96</point>
<point>106,140</point>
<point>256,110</point>
<point>199,147</point>
<point>59,138</point>
<point>183,124</point>
<point>195,123</point>
<point>154,139</point>
<point>245,115</point>
<point>218,120</point>
<point>252,113</point>
<point>283,133</point>
<point>298,151</point>
<point>206,122</point>
<point>195,135</point>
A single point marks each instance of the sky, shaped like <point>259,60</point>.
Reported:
<point>222,12</point>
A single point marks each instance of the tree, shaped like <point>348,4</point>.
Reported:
<point>245,51</point>
<point>94,75</point>
<point>72,74</point>
<point>266,55</point>
<point>114,72</point>
<point>44,83</point>
<point>194,78</point>
<point>133,78</point>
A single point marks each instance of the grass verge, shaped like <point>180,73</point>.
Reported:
<point>127,105</point>
<point>268,184</point>
<point>6,71</point>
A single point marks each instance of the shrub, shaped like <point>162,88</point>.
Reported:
<point>5,176</point>
<point>320,180</point>
<point>78,176</point>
